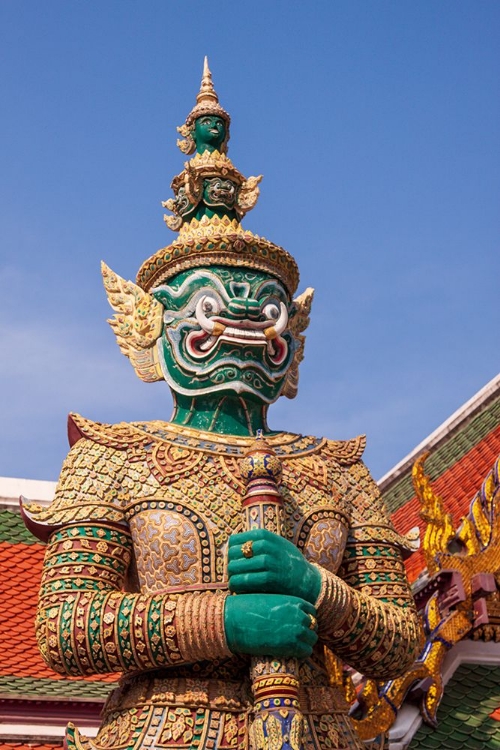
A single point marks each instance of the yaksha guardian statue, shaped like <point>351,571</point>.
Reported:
<point>218,565</point>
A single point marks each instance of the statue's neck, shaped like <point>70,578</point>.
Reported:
<point>223,414</point>
<point>206,147</point>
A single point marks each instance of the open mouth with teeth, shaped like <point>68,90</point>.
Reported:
<point>216,329</point>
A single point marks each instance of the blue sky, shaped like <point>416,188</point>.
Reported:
<point>376,126</point>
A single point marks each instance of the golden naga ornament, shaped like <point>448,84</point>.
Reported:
<point>460,601</point>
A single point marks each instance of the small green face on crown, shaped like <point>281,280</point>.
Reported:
<point>209,133</point>
<point>225,330</point>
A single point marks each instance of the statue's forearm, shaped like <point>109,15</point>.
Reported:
<point>87,625</point>
<point>378,638</point>
<point>91,633</point>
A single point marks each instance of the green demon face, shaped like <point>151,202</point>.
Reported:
<point>209,132</point>
<point>225,330</point>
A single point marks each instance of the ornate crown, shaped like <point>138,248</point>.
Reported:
<point>218,241</point>
<point>211,196</point>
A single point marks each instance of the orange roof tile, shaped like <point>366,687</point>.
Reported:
<point>20,573</point>
<point>20,569</point>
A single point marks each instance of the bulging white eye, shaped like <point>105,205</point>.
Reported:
<point>271,311</point>
<point>210,305</point>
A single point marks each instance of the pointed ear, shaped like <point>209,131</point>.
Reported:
<point>302,305</point>
<point>298,324</point>
<point>137,323</point>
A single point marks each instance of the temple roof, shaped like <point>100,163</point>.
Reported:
<point>23,673</point>
<point>462,452</point>
<point>35,702</point>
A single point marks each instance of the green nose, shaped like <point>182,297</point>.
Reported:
<point>244,308</point>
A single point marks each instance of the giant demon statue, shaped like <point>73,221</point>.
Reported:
<point>216,564</point>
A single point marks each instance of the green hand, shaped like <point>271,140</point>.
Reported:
<point>275,567</point>
<point>270,625</point>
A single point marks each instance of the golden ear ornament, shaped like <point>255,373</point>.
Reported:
<point>298,324</point>
<point>248,195</point>
<point>186,143</point>
<point>137,323</point>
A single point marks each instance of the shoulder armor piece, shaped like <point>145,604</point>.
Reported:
<point>346,452</point>
<point>42,520</point>
<point>370,521</point>
<point>119,436</point>
<point>90,488</point>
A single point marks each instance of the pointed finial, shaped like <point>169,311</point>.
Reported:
<point>207,92</point>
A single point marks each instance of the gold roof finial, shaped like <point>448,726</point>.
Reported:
<point>207,103</point>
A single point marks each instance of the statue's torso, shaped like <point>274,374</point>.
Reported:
<point>179,491</point>
<point>183,502</point>
<point>190,503</point>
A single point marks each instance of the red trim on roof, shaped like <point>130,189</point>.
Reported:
<point>48,712</point>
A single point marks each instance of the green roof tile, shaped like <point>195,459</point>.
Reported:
<point>464,722</point>
<point>433,742</point>
<point>13,530</point>
<point>15,687</point>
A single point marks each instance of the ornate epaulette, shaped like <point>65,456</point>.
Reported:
<point>368,533</point>
<point>119,436</point>
<point>90,485</point>
<point>346,452</point>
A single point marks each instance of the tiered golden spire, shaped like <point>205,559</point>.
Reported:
<point>207,91</point>
<point>211,197</point>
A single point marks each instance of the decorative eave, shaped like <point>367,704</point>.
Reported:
<point>461,452</point>
<point>444,432</point>
<point>36,718</point>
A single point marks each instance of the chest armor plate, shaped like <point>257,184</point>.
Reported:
<point>181,531</point>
